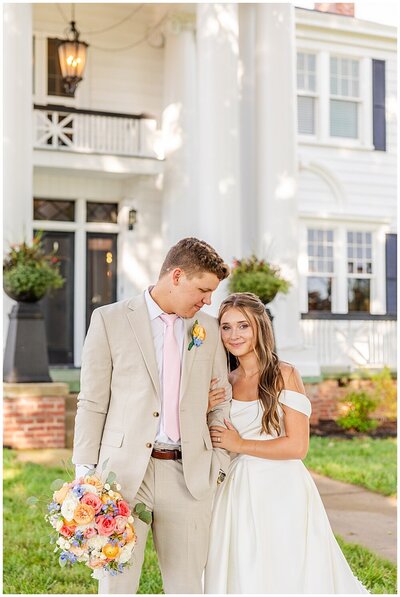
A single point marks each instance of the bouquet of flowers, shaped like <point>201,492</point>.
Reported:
<point>93,524</point>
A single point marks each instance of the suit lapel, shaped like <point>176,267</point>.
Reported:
<point>188,355</point>
<point>138,317</point>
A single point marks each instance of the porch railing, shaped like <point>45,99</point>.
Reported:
<point>352,344</point>
<point>92,131</point>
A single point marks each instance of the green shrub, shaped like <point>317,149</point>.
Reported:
<point>259,277</point>
<point>385,393</point>
<point>360,406</point>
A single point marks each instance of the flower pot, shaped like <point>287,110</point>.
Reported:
<point>23,297</point>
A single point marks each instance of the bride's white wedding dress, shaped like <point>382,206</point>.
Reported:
<point>269,531</point>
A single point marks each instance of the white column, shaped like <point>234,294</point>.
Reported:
<point>179,129</point>
<point>17,97</point>
<point>276,178</point>
<point>219,215</point>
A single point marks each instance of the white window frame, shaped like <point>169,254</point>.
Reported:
<point>308,93</point>
<point>346,98</point>
<point>340,276</point>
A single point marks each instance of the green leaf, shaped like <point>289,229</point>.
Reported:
<point>62,563</point>
<point>32,500</point>
<point>57,484</point>
<point>145,516</point>
<point>104,465</point>
<point>111,478</point>
<point>139,508</point>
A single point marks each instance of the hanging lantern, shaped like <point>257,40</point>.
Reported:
<point>72,57</point>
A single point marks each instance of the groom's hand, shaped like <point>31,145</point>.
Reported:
<point>226,437</point>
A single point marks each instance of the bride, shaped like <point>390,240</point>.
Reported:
<point>269,531</point>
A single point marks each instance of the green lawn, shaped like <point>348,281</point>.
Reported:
<point>30,566</point>
<point>362,461</point>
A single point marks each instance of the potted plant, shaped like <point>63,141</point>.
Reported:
<point>257,276</point>
<point>28,274</point>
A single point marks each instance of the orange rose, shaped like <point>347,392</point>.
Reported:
<point>110,551</point>
<point>93,480</point>
<point>130,534</point>
<point>59,496</point>
<point>84,513</point>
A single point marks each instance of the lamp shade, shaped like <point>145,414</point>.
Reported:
<point>72,57</point>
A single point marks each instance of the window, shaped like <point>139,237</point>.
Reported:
<point>55,85</point>
<point>359,268</point>
<point>320,269</point>
<point>54,209</point>
<point>102,212</point>
<point>306,93</point>
<point>344,97</point>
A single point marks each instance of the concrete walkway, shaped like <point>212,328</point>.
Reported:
<point>356,514</point>
<point>360,516</point>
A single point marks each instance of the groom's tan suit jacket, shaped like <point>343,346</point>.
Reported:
<point>119,402</point>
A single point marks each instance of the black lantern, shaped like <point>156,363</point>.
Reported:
<point>132,219</point>
<point>72,57</point>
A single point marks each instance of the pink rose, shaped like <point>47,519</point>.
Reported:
<point>123,508</point>
<point>105,525</point>
<point>89,532</point>
<point>92,500</point>
<point>67,531</point>
<point>120,523</point>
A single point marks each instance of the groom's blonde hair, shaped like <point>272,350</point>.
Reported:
<point>194,257</point>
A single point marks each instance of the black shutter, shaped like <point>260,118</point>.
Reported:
<point>378,101</point>
<point>391,274</point>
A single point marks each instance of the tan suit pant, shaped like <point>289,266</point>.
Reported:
<point>180,530</point>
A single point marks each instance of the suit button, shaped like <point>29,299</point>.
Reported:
<point>148,445</point>
<point>156,414</point>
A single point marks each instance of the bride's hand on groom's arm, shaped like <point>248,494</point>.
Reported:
<point>226,437</point>
<point>215,395</point>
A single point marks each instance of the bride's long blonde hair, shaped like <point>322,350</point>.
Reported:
<point>270,381</point>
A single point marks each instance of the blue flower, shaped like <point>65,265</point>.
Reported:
<point>78,491</point>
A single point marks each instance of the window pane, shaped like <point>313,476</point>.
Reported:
<point>343,119</point>
<point>305,111</point>
<point>54,210</point>
<point>102,212</point>
<point>359,294</point>
<point>319,294</point>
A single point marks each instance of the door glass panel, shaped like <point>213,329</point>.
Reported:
<point>101,271</point>
<point>58,306</point>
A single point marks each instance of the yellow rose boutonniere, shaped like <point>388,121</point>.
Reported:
<point>198,335</point>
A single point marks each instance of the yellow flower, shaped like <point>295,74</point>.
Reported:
<point>59,496</point>
<point>93,480</point>
<point>198,335</point>
<point>110,551</point>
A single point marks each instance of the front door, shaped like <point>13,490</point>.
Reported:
<point>58,306</point>
<point>101,281</point>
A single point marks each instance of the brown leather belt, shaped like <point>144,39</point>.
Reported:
<point>167,454</point>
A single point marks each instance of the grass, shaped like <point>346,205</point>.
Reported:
<point>31,567</point>
<point>368,462</point>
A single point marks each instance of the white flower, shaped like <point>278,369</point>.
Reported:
<point>130,519</point>
<point>88,488</point>
<point>103,557</point>
<point>59,524</point>
<point>98,574</point>
<point>68,506</point>
<point>126,553</point>
<point>97,542</point>
<point>106,487</point>
<point>118,487</point>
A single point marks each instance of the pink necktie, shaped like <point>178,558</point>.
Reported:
<point>171,379</point>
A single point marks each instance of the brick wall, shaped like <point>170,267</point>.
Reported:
<point>34,415</point>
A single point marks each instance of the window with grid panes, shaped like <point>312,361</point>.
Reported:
<point>344,97</point>
<point>320,269</point>
<point>55,85</point>
<point>306,93</point>
<point>54,210</point>
<point>359,270</point>
<point>101,212</point>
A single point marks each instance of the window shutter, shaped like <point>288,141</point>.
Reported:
<point>391,274</point>
<point>378,100</point>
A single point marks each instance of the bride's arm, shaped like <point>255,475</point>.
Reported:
<point>292,446</point>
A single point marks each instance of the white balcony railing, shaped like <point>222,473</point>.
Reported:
<point>91,131</point>
<point>352,344</point>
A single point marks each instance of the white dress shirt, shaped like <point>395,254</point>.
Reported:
<point>158,328</point>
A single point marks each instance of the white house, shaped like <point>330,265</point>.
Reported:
<point>258,127</point>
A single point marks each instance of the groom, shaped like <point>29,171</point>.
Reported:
<point>143,406</point>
